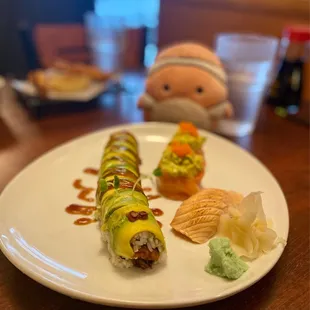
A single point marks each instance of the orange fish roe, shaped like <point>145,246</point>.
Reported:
<point>189,128</point>
<point>181,149</point>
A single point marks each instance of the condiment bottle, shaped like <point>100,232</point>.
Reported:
<point>286,91</point>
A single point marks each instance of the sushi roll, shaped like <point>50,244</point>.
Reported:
<point>128,226</point>
<point>182,165</point>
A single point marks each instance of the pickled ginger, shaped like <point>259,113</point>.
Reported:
<point>246,226</point>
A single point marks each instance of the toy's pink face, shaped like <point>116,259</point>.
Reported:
<point>186,82</point>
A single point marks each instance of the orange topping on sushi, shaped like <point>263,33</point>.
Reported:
<point>188,128</point>
<point>181,149</point>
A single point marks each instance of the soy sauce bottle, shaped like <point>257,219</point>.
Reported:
<point>286,91</point>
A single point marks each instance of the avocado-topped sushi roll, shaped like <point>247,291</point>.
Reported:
<point>127,223</point>
<point>182,164</point>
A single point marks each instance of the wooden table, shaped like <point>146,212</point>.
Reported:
<point>283,146</point>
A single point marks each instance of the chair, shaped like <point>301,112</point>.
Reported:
<point>66,41</point>
<point>44,43</point>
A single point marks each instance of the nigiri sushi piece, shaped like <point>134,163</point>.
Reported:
<point>198,217</point>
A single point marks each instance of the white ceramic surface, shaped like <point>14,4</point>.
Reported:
<point>39,237</point>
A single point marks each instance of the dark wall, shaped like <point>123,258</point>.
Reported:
<point>30,12</point>
<point>11,57</point>
<point>53,11</point>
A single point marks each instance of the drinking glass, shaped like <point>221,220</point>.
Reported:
<point>249,62</point>
<point>106,36</point>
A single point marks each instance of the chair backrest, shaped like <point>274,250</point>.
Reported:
<point>66,41</point>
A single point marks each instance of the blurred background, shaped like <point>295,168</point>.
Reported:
<point>147,25</point>
<point>125,35</point>
<point>33,32</point>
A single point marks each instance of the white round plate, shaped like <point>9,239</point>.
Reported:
<point>40,239</point>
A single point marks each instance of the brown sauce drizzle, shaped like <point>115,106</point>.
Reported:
<point>157,212</point>
<point>77,184</point>
<point>84,221</point>
<point>147,189</point>
<point>160,224</point>
<point>152,197</point>
<point>85,191</point>
<point>79,209</point>
<point>92,171</point>
<point>134,216</point>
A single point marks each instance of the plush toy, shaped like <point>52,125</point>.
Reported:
<point>186,83</point>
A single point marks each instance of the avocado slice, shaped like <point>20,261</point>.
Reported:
<point>123,200</point>
<point>110,178</point>
<point>123,142</point>
<point>108,196</point>
<point>121,156</point>
<point>124,135</point>
<point>126,182</point>
<point>120,149</point>
<point>119,171</point>
<point>121,145</point>
<point>122,231</point>
<point>117,164</point>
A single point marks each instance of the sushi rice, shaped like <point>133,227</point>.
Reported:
<point>139,240</point>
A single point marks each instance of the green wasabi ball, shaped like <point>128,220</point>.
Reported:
<point>224,262</point>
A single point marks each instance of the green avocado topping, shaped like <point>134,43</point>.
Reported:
<point>187,166</point>
<point>194,142</point>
